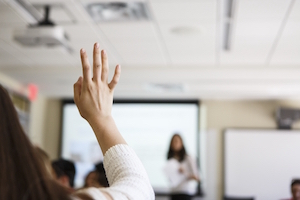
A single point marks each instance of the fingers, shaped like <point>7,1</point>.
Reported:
<point>100,67</point>
<point>85,66</point>
<point>104,75</point>
<point>77,89</point>
<point>116,78</point>
<point>96,63</point>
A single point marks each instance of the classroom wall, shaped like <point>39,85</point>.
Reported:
<point>37,121</point>
<point>45,125</point>
<point>46,118</point>
<point>233,114</point>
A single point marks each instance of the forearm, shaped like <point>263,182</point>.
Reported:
<point>106,133</point>
<point>126,175</point>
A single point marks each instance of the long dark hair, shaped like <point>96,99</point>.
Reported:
<point>181,153</point>
<point>23,176</point>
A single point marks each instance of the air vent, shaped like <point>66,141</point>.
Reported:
<point>118,11</point>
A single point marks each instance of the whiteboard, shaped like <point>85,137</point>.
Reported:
<point>260,163</point>
<point>147,128</point>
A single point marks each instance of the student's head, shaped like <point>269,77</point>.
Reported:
<point>102,175</point>
<point>92,179</point>
<point>22,174</point>
<point>64,171</point>
<point>176,148</point>
<point>295,189</point>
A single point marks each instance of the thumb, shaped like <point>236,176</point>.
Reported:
<point>77,89</point>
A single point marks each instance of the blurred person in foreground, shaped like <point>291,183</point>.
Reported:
<point>25,177</point>
<point>46,160</point>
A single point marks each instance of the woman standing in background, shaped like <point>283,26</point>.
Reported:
<point>181,171</point>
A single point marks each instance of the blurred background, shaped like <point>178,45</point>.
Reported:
<point>238,61</point>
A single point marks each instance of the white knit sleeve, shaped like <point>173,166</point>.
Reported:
<point>126,175</point>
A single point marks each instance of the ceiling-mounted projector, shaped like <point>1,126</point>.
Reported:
<point>40,36</point>
<point>45,33</point>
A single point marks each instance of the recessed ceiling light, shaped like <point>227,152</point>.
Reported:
<point>187,30</point>
<point>118,11</point>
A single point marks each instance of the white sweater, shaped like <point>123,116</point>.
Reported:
<point>126,175</point>
<point>183,185</point>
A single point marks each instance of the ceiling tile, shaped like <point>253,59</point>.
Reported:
<point>93,1</point>
<point>15,52</point>
<point>140,51</point>
<point>183,10</point>
<point>190,48</point>
<point>258,10</point>
<point>9,60</point>
<point>255,28</point>
<point>81,32</point>
<point>59,13</point>
<point>135,42</point>
<point>295,14</point>
<point>84,36</point>
<point>128,30</point>
<point>8,16</point>
<point>6,31</point>
<point>288,49</point>
<point>251,43</point>
<point>48,1</point>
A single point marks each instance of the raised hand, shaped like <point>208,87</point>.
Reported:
<point>93,95</point>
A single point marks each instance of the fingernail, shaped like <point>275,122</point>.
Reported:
<point>97,45</point>
<point>104,52</point>
<point>82,50</point>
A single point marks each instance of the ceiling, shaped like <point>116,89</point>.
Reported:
<point>263,61</point>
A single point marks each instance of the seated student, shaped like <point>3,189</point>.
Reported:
<point>295,190</point>
<point>96,178</point>
<point>92,180</point>
<point>64,172</point>
<point>24,176</point>
<point>102,174</point>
